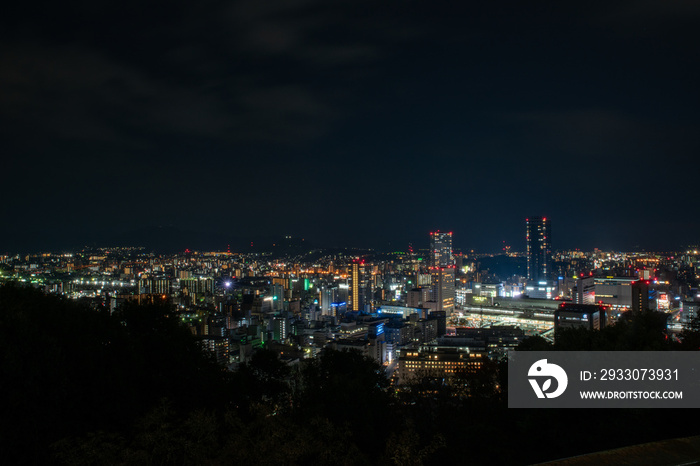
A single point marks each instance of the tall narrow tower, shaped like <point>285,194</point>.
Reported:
<point>359,286</point>
<point>539,241</point>
<point>442,271</point>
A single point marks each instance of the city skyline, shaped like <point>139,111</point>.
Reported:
<point>349,232</point>
<point>429,324</point>
<point>167,240</point>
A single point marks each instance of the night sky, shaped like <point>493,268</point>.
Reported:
<point>350,123</point>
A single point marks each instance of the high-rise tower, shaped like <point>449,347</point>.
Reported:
<point>539,241</point>
<point>442,271</point>
<point>441,249</point>
<point>443,287</point>
<point>360,287</point>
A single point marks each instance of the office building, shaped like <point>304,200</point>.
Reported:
<point>541,290</point>
<point>441,318</point>
<point>277,294</point>
<point>690,310</point>
<point>441,249</point>
<point>443,279</point>
<point>438,361</point>
<point>588,316</point>
<point>539,241</point>
<point>442,273</point>
<point>414,298</point>
<point>398,333</point>
<point>359,298</point>
<point>614,291</point>
<point>584,290</point>
<point>640,295</point>
<point>426,330</point>
<point>280,328</point>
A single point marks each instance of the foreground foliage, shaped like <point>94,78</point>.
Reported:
<point>84,387</point>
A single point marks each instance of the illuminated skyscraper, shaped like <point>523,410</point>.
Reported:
<point>539,244</point>
<point>359,287</point>
<point>443,283</point>
<point>442,271</point>
<point>441,249</point>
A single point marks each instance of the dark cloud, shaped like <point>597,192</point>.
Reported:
<point>346,121</point>
<point>238,72</point>
<point>589,132</point>
<point>605,134</point>
<point>654,11</point>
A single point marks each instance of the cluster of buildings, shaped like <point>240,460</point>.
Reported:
<point>437,311</point>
